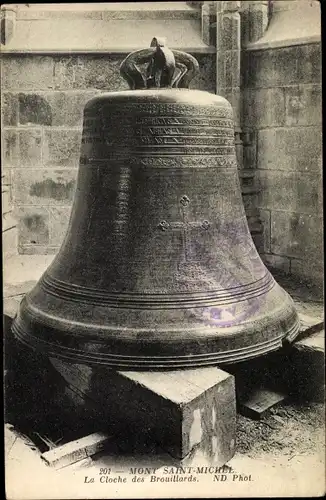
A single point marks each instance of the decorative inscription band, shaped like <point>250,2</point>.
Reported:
<point>164,141</point>
<point>120,140</point>
<point>163,108</point>
<point>197,130</point>
<point>153,121</point>
<point>174,162</point>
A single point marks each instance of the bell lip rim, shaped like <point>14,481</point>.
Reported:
<point>120,362</point>
<point>182,352</point>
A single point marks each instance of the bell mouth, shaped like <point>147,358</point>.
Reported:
<point>116,361</point>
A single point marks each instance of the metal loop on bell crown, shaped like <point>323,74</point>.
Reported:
<point>166,68</point>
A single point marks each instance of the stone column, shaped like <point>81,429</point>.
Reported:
<point>228,51</point>
<point>8,22</point>
<point>256,14</point>
<point>208,18</point>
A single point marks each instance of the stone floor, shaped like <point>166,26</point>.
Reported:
<point>282,454</point>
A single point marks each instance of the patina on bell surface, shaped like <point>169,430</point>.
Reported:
<point>158,268</point>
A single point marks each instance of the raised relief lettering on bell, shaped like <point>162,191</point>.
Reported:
<point>158,268</point>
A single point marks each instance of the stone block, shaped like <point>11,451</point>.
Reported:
<point>276,262</point>
<point>220,71</point>
<point>89,72</point>
<point>298,149</point>
<point>264,107</point>
<point>6,177</point>
<point>303,105</point>
<point>33,225</point>
<point>22,271</point>
<point>314,342</point>
<point>271,67</point>
<point>8,221</point>
<point>282,66</point>
<point>30,148</point>
<point>6,200</point>
<point>228,32</point>
<point>205,23</point>
<point>34,15</point>
<point>307,367</point>
<point>249,200</point>
<point>15,292</point>
<point>185,411</point>
<point>34,109</point>
<point>258,20</point>
<point>44,186</point>
<point>310,270</point>
<point>9,109</point>
<point>37,250</point>
<point>257,238</point>
<point>10,148</point>
<point>59,219</point>
<point>9,240</point>
<point>309,325</point>
<point>8,23</point>
<point>265,219</point>
<point>61,147</point>
<point>245,20</point>
<point>231,5</point>
<point>233,95</point>
<point>289,191</point>
<point>309,63</point>
<point>249,156</point>
<point>25,72</point>
<point>146,12</point>
<point>67,107</point>
<point>63,109</point>
<point>296,235</point>
<point>232,68</point>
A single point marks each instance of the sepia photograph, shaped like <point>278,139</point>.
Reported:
<point>162,250</point>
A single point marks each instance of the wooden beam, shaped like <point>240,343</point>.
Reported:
<point>77,450</point>
<point>259,401</point>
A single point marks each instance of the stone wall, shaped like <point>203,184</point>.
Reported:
<point>275,93</point>
<point>282,112</point>
<point>42,104</point>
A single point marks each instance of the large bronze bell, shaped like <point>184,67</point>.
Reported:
<point>158,268</point>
